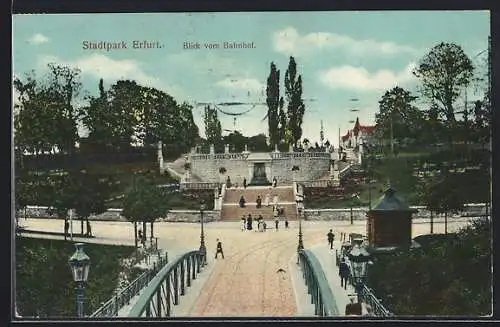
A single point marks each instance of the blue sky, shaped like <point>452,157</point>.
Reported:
<point>341,55</point>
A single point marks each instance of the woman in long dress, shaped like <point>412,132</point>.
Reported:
<point>243,224</point>
<point>267,199</point>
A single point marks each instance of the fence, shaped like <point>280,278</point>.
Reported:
<point>375,306</point>
<point>317,285</point>
<point>111,308</point>
<point>167,286</point>
<point>366,295</point>
<point>200,186</point>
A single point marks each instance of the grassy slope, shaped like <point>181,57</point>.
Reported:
<point>399,172</point>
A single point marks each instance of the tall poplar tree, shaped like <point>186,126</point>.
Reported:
<point>296,108</point>
<point>273,100</point>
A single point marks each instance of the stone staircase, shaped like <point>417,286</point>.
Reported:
<point>232,211</point>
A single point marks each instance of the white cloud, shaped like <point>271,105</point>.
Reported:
<point>101,66</point>
<point>288,41</point>
<point>247,84</point>
<point>360,79</point>
<point>38,39</point>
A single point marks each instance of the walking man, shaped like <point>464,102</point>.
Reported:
<point>331,237</point>
<point>219,249</point>
<point>343,273</point>
<point>89,229</point>
<point>244,183</point>
<point>66,229</point>
<point>276,223</point>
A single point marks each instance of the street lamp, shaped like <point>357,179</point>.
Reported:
<point>80,265</point>
<point>354,196</point>
<point>300,205</point>
<point>359,258</point>
<point>203,249</point>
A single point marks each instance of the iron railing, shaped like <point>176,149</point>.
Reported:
<point>366,295</point>
<point>167,286</point>
<point>121,299</point>
<point>374,305</point>
<point>317,285</point>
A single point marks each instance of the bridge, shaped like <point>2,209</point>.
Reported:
<point>259,276</point>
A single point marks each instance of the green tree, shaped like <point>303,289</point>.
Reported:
<point>98,118</point>
<point>273,103</point>
<point>283,121</point>
<point>443,73</point>
<point>145,202</point>
<point>296,108</point>
<point>63,195</point>
<point>443,194</point>
<point>44,116</point>
<point>213,128</point>
<point>92,190</point>
<point>397,118</point>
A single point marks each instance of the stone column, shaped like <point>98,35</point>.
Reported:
<point>268,171</point>
<point>246,148</point>
<point>160,157</point>
<point>276,148</point>
<point>250,173</point>
<point>226,148</point>
<point>212,149</point>
<point>290,148</point>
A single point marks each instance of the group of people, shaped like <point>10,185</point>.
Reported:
<point>344,271</point>
<point>247,223</point>
<point>258,201</point>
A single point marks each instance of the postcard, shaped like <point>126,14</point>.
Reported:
<point>246,165</point>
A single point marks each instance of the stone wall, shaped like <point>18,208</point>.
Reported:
<point>312,165</point>
<point>206,167</point>
<point>360,213</point>
<point>115,215</point>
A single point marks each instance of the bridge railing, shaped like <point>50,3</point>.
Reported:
<point>118,301</point>
<point>167,286</point>
<point>373,303</point>
<point>317,285</point>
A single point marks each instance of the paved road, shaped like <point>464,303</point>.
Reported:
<point>246,282</point>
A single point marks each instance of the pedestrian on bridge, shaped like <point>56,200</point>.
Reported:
<point>343,273</point>
<point>330,237</point>
<point>219,249</point>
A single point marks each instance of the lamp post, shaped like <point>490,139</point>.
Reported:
<point>300,205</point>
<point>80,265</point>
<point>359,258</point>
<point>354,196</point>
<point>203,249</point>
<point>370,178</point>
